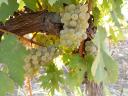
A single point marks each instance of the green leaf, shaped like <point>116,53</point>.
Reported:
<point>116,6</point>
<point>76,66</point>
<point>74,78</point>
<point>58,5</point>
<point>115,18</point>
<point>12,54</point>
<point>116,35</point>
<point>52,77</point>
<point>32,4</point>
<point>51,2</point>
<point>21,5</point>
<point>111,68</point>
<point>98,68</point>
<point>100,37</point>
<point>6,84</point>
<point>97,15</point>
<point>104,68</point>
<point>76,62</point>
<point>3,1</point>
<point>89,60</point>
<point>7,8</point>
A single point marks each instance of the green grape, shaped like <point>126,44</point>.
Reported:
<point>73,23</point>
<point>77,11</point>
<point>35,62</point>
<point>82,16</point>
<point>27,59</point>
<point>90,48</point>
<point>89,43</point>
<point>87,25</point>
<point>38,53</point>
<point>71,7</point>
<point>28,65</point>
<point>43,58</point>
<point>71,30</point>
<point>84,8</point>
<point>74,16</point>
<point>84,36</point>
<point>94,49</point>
<point>67,16</point>
<point>34,57</point>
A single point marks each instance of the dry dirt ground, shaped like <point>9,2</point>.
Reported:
<point>120,53</point>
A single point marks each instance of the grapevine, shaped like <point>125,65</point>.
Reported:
<point>60,42</point>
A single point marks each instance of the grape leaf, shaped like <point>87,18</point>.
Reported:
<point>12,53</point>
<point>115,18</point>
<point>7,8</point>
<point>52,77</point>
<point>32,4</point>
<point>6,84</point>
<point>76,61</point>
<point>98,68</point>
<point>104,68</point>
<point>21,5</point>
<point>116,35</point>
<point>58,5</point>
<point>3,1</point>
<point>76,66</point>
<point>97,15</point>
<point>116,6</point>
<point>111,68</point>
<point>51,2</point>
<point>89,60</point>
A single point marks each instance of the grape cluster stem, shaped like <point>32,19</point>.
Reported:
<point>28,85</point>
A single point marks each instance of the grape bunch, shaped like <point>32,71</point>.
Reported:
<point>75,19</point>
<point>37,58</point>
<point>90,48</point>
<point>47,40</point>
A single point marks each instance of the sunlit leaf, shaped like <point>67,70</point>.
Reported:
<point>7,9</point>
<point>32,4</point>
<point>51,2</point>
<point>52,77</point>
<point>12,54</point>
<point>76,69</point>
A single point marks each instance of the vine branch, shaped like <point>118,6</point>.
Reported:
<point>28,85</point>
<point>25,23</point>
<point>21,37</point>
<point>90,3</point>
